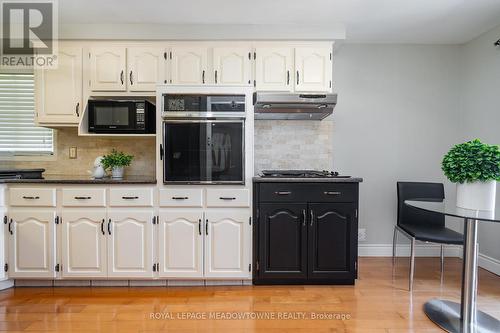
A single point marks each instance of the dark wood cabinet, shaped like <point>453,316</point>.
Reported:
<point>300,237</point>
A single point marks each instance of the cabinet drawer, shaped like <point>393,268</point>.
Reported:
<point>131,197</point>
<point>42,197</point>
<point>84,197</point>
<point>181,198</point>
<point>228,198</point>
<point>310,192</point>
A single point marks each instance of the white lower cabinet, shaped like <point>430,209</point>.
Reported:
<point>31,243</point>
<point>84,243</point>
<point>130,243</point>
<point>180,244</point>
<point>227,243</point>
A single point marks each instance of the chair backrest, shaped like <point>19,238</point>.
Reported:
<point>419,191</point>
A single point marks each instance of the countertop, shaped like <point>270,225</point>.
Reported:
<point>82,179</point>
<point>307,180</point>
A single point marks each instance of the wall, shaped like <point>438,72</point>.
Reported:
<point>89,148</point>
<point>481,112</point>
<point>397,115</point>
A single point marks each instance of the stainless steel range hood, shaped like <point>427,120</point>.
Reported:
<point>290,106</point>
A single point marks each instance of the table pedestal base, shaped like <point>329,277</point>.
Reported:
<point>446,315</point>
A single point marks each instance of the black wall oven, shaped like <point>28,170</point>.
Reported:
<point>122,116</point>
<point>201,149</point>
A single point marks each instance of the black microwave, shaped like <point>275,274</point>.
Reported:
<point>122,116</point>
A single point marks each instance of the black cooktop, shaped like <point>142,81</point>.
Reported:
<point>301,174</point>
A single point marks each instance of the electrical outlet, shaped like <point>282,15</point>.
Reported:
<point>72,152</point>
<point>362,235</point>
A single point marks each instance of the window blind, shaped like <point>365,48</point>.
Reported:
<point>18,133</point>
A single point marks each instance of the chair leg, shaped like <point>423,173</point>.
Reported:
<point>442,263</point>
<point>394,243</point>
<point>412,263</point>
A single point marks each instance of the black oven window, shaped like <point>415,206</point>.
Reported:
<point>204,151</point>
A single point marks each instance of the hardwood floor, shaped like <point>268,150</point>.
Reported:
<point>378,303</point>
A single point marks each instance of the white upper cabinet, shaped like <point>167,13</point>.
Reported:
<point>59,91</point>
<point>130,243</point>
<point>227,243</point>
<point>108,69</point>
<point>146,68</point>
<point>232,65</point>
<point>313,69</point>
<point>188,65</point>
<point>31,244</point>
<point>274,68</point>
<point>181,244</point>
<point>84,243</point>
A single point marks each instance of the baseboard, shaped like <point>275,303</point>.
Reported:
<point>421,250</point>
<point>489,263</point>
<point>6,284</point>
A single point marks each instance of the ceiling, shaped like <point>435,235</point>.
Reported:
<point>398,21</point>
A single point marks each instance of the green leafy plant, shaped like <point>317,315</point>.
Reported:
<point>472,161</point>
<point>116,159</point>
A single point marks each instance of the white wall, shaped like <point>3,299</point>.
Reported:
<point>397,115</point>
<point>481,111</point>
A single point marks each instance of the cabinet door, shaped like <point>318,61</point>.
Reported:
<point>3,239</point>
<point>84,243</point>
<point>59,91</point>
<point>107,69</point>
<point>232,65</point>
<point>273,69</point>
<point>313,69</point>
<point>31,243</point>
<point>181,244</point>
<point>146,68</point>
<point>332,241</point>
<point>189,65</point>
<point>227,243</point>
<point>130,243</point>
<point>283,241</point>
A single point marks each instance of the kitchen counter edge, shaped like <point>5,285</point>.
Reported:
<point>306,180</point>
<point>107,181</point>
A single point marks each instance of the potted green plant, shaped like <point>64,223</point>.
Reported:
<point>475,167</point>
<point>116,161</point>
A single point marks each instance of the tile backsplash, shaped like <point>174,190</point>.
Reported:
<point>293,144</point>
<point>143,149</point>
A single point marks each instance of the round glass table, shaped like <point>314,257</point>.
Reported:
<point>463,317</point>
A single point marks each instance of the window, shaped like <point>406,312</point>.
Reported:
<point>18,133</point>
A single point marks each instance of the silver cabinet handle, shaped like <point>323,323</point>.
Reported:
<point>130,77</point>
<point>227,198</point>
<point>31,197</point>
<point>282,192</point>
<point>83,198</point>
<point>180,198</point>
<point>332,193</point>
<point>312,218</point>
<point>297,77</point>
<point>303,217</point>
<point>130,198</point>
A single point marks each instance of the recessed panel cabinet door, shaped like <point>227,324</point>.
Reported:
<point>283,241</point>
<point>181,244</point>
<point>232,65</point>
<point>313,69</point>
<point>59,91</point>
<point>146,68</point>
<point>130,243</point>
<point>332,255</point>
<point>227,243</point>
<point>84,243</point>
<point>108,69</point>
<point>189,65</point>
<point>31,244</point>
<point>274,69</point>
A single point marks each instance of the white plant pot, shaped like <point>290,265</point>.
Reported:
<point>477,195</point>
<point>117,172</point>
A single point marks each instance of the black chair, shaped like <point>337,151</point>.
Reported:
<point>421,225</point>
